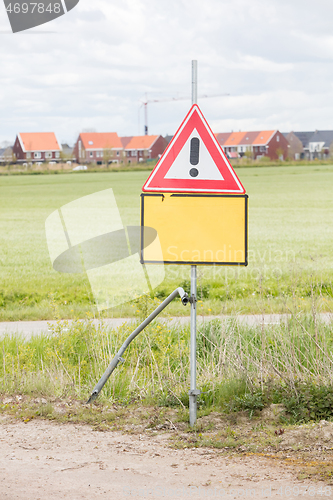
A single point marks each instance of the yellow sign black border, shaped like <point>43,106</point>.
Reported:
<point>243,263</point>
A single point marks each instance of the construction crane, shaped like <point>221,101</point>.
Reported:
<point>147,101</point>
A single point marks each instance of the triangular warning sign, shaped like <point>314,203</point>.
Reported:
<point>194,162</point>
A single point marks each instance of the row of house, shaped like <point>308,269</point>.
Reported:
<point>270,143</point>
<point>98,147</point>
<point>310,145</point>
<point>108,147</point>
<point>90,147</point>
<point>273,144</point>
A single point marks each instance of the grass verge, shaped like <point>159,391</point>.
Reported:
<point>239,368</point>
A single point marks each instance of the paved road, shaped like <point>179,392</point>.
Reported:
<point>28,328</point>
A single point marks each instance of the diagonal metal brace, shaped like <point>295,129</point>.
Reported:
<point>118,357</point>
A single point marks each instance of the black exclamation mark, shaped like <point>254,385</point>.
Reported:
<point>194,156</point>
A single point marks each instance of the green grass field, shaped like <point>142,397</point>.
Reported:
<point>290,245</point>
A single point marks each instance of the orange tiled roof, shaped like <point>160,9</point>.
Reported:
<point>141,142</point>
<point>101,140</point>
<point>39,141</point>
<point>249,137</point>
<point>263,137</point>
<point>243,138</point>
<point>234,139</point>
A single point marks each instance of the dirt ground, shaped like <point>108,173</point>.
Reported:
<point>41,459</point>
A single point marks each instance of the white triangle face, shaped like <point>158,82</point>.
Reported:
<point>194,162</point>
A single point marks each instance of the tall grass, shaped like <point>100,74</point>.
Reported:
<point>238,367</point>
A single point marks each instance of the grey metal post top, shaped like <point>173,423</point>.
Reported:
<point>194,82</point>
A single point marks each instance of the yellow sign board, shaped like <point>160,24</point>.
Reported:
<point>195,229</point>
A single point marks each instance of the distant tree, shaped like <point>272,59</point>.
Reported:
<point>107,154</point>
<point>5,145</point>
<point>248,154</point>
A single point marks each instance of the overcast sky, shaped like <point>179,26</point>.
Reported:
<point>90,68</point>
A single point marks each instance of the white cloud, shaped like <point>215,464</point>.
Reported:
<point>91,67</point>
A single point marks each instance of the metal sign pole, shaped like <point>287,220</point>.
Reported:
<point>193,299</point>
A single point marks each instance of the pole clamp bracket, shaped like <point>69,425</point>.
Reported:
<point>194,392</point>
<point>192,299</point>
<point>121,360</point>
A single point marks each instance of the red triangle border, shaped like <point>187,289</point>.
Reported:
<point>156,182</point>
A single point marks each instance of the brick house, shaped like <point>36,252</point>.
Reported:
<point>143,148</point>
<point>98,147</point>
<point>36,147</point>
<point>296,148</point>
<point>270,143</point>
